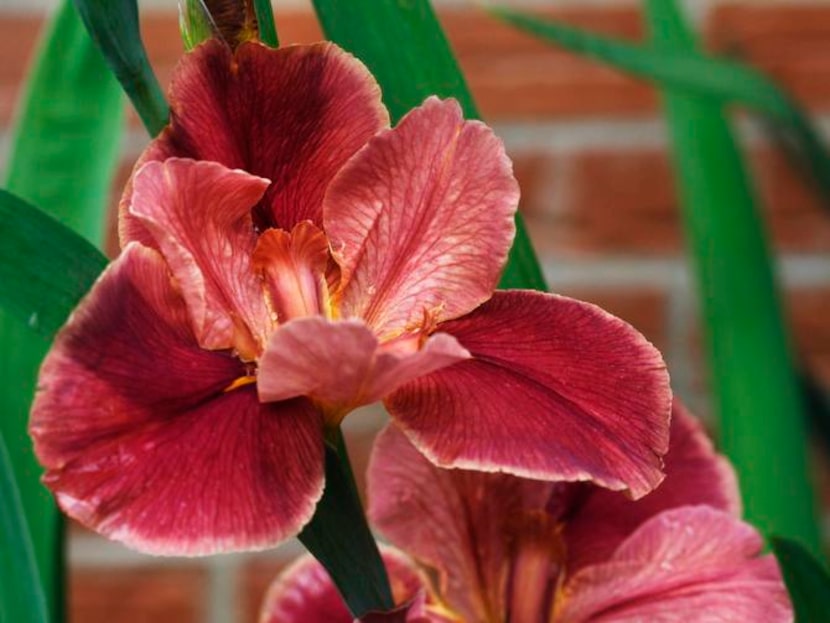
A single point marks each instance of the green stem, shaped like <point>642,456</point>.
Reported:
<point>339,536</point>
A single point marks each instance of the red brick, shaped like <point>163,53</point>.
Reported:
<point>255,578</point>
<point>137,595</point>
<point>791,41</point>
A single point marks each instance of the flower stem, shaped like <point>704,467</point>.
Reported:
<point>338,536</point>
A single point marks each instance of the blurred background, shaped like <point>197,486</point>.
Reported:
<point>590,151</point>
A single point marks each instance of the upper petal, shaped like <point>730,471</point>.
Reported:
<point>292,115</point>
<point>460,523</point>
<point>341,365</point>
<point>141,442</point>
<point>557,389</point>
<point>691,564</point>
<point>421,220</point>
<point>695,474</point>
<point>199,216</point>
<point>304,592</point>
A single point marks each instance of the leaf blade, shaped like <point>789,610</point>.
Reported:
<point>807,581</point>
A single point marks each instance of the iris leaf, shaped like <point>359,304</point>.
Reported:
<point>687,70</point>
<point>265,21</point>
<point>62,156</point>
<point>21,594</point>
<point>339,537</point>
<point>113,25</point>
<point>404,46</point>
<point>754,383</point>
<point>807,581</point>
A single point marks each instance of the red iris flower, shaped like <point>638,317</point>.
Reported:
<point>286,257</point>
<point>510,549</point>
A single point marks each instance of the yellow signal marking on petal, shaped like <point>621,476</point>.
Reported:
<point>242,381</point>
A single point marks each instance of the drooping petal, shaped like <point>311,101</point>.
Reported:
<point>293,115</point>
<point>695,474</point>
<point>421,220</point>
<point>304,593</point>
<point>141,441</point>
<point>557,389</point>
<point>199,215</point>
<point>461,523</point>
<point>341,365</point>
<point>687,565</point>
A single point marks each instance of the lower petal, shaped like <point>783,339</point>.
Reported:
<point>691,564</point>
<point>304,592</point>
<point>341,365</point>
<point>141,442</point>
<point>557,389</point>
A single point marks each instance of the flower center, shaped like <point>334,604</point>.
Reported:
<point>537,558</point>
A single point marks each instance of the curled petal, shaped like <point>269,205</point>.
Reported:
<point>199,215</point>
<point>341,365</point>
<point>557,389</point>
<point>421,220</point>
<point>293,115</point>
<point>141,442</point>
<point>695,474</point>
<point>691,564</point>
<point>460,523</point>
<point>304,593</point>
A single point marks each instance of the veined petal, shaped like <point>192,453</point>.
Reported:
<point>141,443</point>
<point>557,389</point>
<point>304,593</point>
<point>695,474</point>
<point>421,220</point>
<point>199,215</point>
<point>692,564</point>
<point>293,115</point>
<point>461,523</point>
<point>341,365</point>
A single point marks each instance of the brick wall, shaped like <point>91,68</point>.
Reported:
<point>589,148</point>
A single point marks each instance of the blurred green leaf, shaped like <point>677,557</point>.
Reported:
<point>21,595</point>
<point>404,47</point>
<point>45,268</point>
<point>265,21</point>
<point>195,23</point>
<point>807,581</point>
<point>339,537</point>
<point>62,156</point>
<point>754,382</point>
<point>687,70</point>
<point>113,25</point>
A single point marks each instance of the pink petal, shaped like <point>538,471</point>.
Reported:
<point>695,474</point>
<point>293,115</point>
<point>341,365</point>
<point>421,220</point>
<point>141,441</point>
<point>199,215</point>
<point>557,390</point>
<point>691,564</point>
<point>461,523</point>
<point>304,593</point>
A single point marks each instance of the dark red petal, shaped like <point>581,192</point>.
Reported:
<point>304,592</point>
<point>293,115</point>
<point>142,444</point>
<point>695,474</point>
<point>557,390</point>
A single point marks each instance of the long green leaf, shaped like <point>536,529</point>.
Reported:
<point>113,25</point>
<point>340,539</point>
<point>754,384</point>
<point>690,71</point>
<point>265,21</point>
<point>807,581</point>
<point>21,595</point>
<point>63,153</point>
<point>403,45</point>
